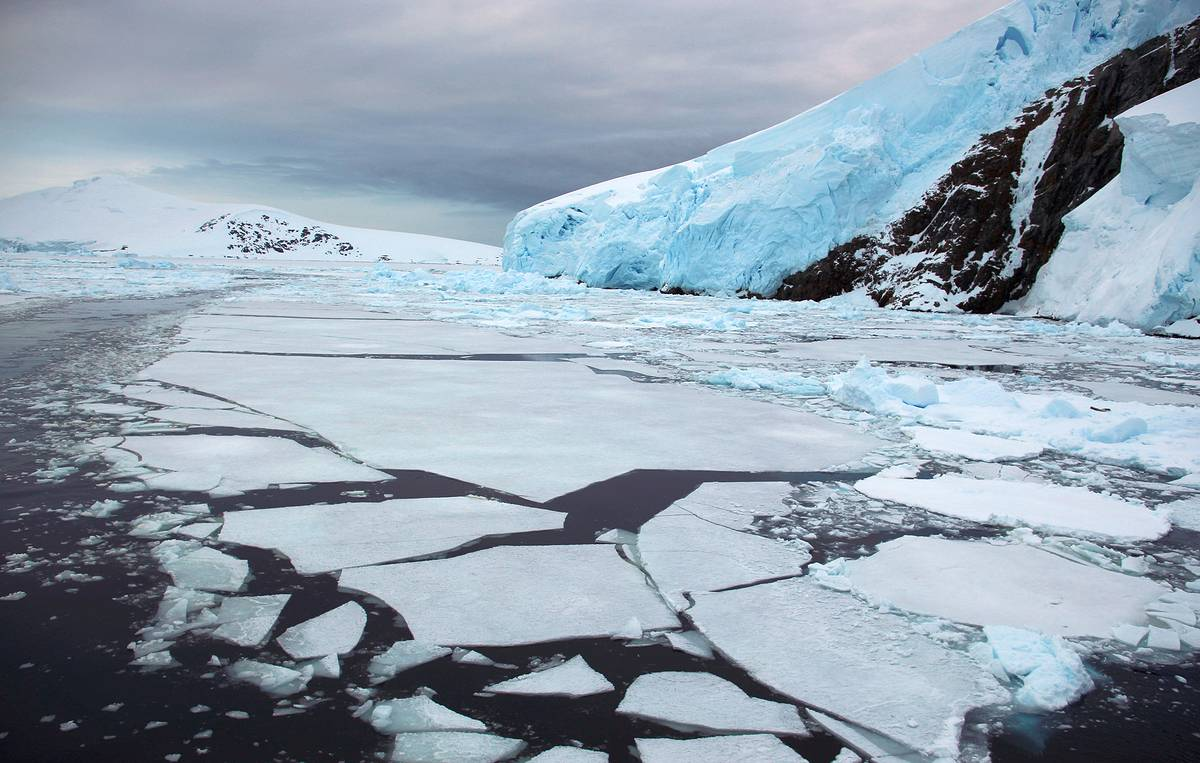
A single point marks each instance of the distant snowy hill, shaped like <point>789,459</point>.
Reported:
<point>112,213</point>
<point>941,184</point>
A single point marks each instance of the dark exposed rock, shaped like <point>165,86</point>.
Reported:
<point>959,246</point>
<point>272,234</point>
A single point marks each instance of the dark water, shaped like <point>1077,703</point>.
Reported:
<point>63,647</point>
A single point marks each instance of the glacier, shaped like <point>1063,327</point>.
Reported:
<point>747,214</point>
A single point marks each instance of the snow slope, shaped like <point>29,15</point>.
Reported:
<point>109,213</point>
<point>1136,242</point>
<point>748,214</point>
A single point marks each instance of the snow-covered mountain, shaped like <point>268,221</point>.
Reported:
<point>112,213</point>
<point>941,184</point>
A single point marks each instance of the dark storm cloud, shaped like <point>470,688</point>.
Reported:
<point>492,104</point>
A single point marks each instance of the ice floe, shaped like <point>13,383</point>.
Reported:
<point>402,656</point>
<point>742,748</point>
<point>565,754</point>
<point>457,746</point>
<point>515,595</point>
<point>1013,585</point>
<point>208,569</point>
<point>233,464</point>
<point>976,447</point>
<point>334,632</point>
<point>701,542</point>
<point>573,678</point>
<point>1060,508</point>
<point>419,713</point>
<point>706,703</point>
<point>333,536</point>
<point>248,620</point>
<point>503,445</point>
<point>833,652</point>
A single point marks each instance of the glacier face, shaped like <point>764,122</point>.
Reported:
<point>747,214</point>
<point>1132,251</point>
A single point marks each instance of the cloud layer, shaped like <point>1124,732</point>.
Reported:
<point>442,117</point>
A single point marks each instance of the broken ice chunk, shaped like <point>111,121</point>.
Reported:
<point>573,678</point>
<point>618,536</point>
<point>703,702</point>
<point>248,620</point>
<point>420,713</point>
<point>275,680</point>
<point>876,746</point>
<point>152,524</point>
<point>198,530</point>
<point>565,754</point>
<point>1130,634</point>
<point>1163,638</point>
<point>471,657</point>
<point>330,537</point>
<point>325,667</point>
<point>208,569</point>
<point>334,632</point>
<point>1052,676</point>
<point>457,746</point>
<point>516,595</point>
<point>402,656</point>
<point>742,747</point>
<point>690,642</point>
<point>976,447</point>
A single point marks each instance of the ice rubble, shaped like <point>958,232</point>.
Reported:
<point>228,465</point>
<point>502,444</point>
<point>248,620</point>
<point>976,447</point>
<point>515,595</point>
<point>419,713</point>
<point>1067,509</point>
<point>707,704</point>
<point>1136,241</point>
<point>748,213</point>
<point>458,746</point>
<point>329,537</point>
<point>1052,675</point>
<point>573,678</point>
<point>986,584</point>
<point>402,656</point>
<point>741,748</point>
<point>866,666</point>
<point>703,543</point>
<point>334,632</point>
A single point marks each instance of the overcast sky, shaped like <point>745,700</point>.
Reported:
<point>438,117</point>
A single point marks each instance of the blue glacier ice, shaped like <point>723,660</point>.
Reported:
<point>747,214</point>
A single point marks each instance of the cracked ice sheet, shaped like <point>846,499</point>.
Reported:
<point>692,546</point>
<point>741,748</point>
<point>573,678</point>
<point>532,429</point>
<point>1016,585</point>
<point>228,465</point>
<point>1071,510</point>
<point>323,538</point>
<point>953,352</point>
<point>346,336</point>
<point>172,397</point>
<point>708,704</point>
<point>866,666</point>
<point>514,595</point>
<point>217,417</point>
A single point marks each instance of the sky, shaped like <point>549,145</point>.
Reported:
<point>441,117</point>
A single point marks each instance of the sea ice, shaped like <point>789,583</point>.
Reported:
<point>708,704</point>
<point>1012,585</point>
<point>565,754</point>
<point>209,570</point>
<point>334,632</point>
<point>248,620</point>
<point>1075,510</point>
<point>419,713</point>
<point>457,746</point>
<point>976,447</point>
<point>573,678</point>
<point>504,446</point>
<point>686,547</point>
<point>234,464</point>
<point>865,666</point>
<point>328,537</point>
<point>741,748</point>
<point>402,656</point>
<point>1052,676</point>
<point>275,680</point>
<point>515,595</point>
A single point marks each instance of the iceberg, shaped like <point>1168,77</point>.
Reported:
<point>573,678</point>
<point>513,595</point>
<point>749,213</point>
<point>708,704</point>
